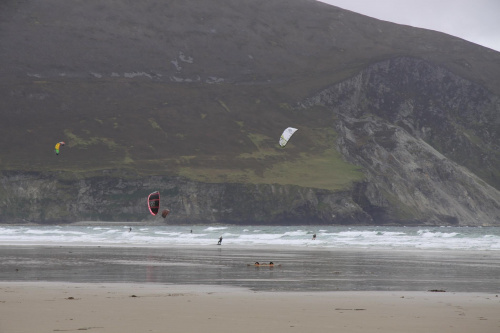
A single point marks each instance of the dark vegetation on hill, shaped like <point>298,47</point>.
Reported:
<point>396,124</point>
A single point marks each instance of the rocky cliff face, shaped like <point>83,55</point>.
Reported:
<point>46,198</point>
<point>417,130</point>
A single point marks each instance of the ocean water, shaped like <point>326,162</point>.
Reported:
<point>340,258</point>
<point>327,237</point>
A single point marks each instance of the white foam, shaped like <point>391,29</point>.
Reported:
<point>215,228</point>
<point>330,237</point>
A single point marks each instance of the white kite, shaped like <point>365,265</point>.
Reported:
<point>287,134</point>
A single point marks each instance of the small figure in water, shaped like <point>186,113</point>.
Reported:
<point>314,236</point>
<point>220,241</point>
<point>130,229</point>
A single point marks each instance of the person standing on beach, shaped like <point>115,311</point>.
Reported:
<point>220,241</point>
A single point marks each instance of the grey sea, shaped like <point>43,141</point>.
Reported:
<point>338,259</point>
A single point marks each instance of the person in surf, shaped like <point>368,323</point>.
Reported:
<point>220,241</point>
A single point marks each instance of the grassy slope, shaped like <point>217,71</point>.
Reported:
<point>176,134</point>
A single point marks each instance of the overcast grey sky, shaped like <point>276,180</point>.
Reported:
<point>477,21</point>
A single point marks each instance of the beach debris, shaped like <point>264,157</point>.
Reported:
<point>70,298</point>
<point>133,296</point>
<point>437,291</point>
<point>87,328</point>
<point>270,264</point>
<point>78,329</point>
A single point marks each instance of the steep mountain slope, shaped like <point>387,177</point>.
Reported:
<point>396,124</point>
<point>399,115</point>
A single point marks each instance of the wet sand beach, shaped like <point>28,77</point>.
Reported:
<point>217,289</point>
<point>296,269</point>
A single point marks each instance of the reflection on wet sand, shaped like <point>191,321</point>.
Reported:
<point>292,270</point>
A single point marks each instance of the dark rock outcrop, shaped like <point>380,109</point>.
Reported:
<point>394,117</point>
<point>46,198</point>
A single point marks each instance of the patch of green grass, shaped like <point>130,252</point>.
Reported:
<point>127,159</point>
<point>260,154</point>
<point>263,151</point>
<point>154,124</point>
<point>325,171</point>
<point>285,106</point>
<point>223,105</point>
<point>219,175</point>
<point>185,159</point>
<point>76,141</point>
<point>257,138</point>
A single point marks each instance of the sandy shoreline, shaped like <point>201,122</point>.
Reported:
<point>122,307</point>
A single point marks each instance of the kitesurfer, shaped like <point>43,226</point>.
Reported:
<point>314,236</point>
<point>220,241</point>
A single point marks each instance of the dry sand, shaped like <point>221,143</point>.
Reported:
<point>41,307</point>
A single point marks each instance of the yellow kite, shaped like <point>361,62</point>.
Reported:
<point>58,145</point>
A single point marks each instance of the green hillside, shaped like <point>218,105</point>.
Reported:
<point>222,135</point>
